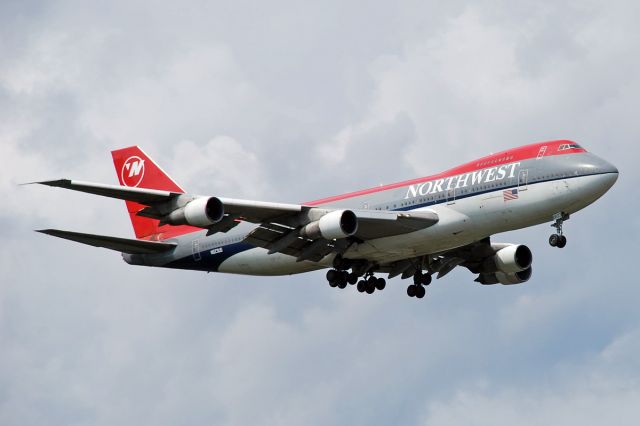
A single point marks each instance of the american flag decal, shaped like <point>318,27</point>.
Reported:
<point>510,194</point>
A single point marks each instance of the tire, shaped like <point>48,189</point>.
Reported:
<point>361,286</point>
<point>370,289</point>
<point>417,278</point>
<point>420,292</point>
<point>342,284</point>
<point>332,275</point>
<point>553,240</point>
<point>411,291</point>
<point>380,284</point>
<point>426,279</point>
<point>333,283</point>
<point>562,241</point>
<point>352,279</point>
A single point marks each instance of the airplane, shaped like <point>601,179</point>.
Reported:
<point>412,229</point>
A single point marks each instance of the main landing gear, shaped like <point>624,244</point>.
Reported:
<point>346,271</point>
<point>558,239</point>
<point>340,276</point>
<point>417,289</point>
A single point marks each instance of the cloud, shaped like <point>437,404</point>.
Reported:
<point>287,102</point>
<point>596,391</point>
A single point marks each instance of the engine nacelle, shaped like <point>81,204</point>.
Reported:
<point>506,278</point>
<point>201,212</point>
<point>514,277</point>
<point>513,258</point>
<point>334,225</point>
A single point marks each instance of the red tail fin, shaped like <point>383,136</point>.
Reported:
<point>137,169</point>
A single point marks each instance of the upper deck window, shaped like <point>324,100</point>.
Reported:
<point>566,146</point>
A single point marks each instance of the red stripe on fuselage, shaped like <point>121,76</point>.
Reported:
<point>526,152</point>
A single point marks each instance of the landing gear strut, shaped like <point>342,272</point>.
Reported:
<point>558,239</point>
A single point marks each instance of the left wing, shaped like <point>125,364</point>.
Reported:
<point>139,195</point>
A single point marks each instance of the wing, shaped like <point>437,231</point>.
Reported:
<point>282,236</point>
<point>478,257</point>
<point>139,195</point>
<point>281,226</point>
<point>124,245</point>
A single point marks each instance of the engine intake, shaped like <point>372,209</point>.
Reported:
<point>334,225</point>
<point>201,212</point>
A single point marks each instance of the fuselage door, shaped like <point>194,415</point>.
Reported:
<point>543,149</point>
<point>523,179</point>
<point>451,196</point>
<point>196,250</point>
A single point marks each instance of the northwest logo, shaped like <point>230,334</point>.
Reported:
<point>506,171</point>
<point>132,171</point>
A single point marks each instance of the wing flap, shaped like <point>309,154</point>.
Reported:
<point>123,245</point>
<point>260,211</point>
<point>379,223</point>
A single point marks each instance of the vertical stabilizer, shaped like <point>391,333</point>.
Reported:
<point>136,169</point>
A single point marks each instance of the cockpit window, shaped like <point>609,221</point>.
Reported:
<point>566,146</point>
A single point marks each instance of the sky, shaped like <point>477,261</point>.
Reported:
<point>293,101</point>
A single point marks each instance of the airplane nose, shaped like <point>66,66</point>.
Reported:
<point>610,171</point>
<point>608,174</point>
<point>609,168</point>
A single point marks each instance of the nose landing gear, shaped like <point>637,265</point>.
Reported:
<point>558,239</point>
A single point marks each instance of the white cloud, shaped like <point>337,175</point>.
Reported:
<point>284,101</point>
<point>601,390</point>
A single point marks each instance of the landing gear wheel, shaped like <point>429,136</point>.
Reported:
<point>352,278</point>
<point>371,285</point>
<point>332,275</point>
<point>562,242</point>
<point>380,283</point>
<point>333,283</point>
<point>553,240</point>
<point>362,286</point>
<point>420,292</point>
<point>411,290</point>
<point>426,279</point>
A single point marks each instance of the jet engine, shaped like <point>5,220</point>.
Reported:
<point>510,265</point>
<point>510,259</point>
<point>201,212</point>
<point>331,226</point>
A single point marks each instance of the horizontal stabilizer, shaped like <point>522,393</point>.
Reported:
<point>124,245</point>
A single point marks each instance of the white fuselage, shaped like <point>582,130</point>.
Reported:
<point>461,222</point>
<point>544,187</point>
